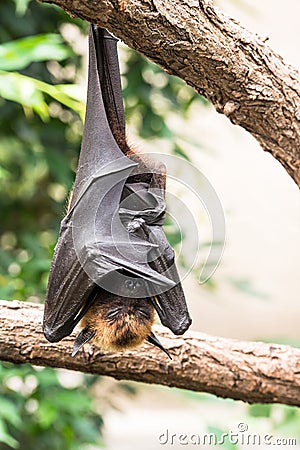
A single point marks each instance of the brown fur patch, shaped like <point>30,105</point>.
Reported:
<point>119,322</point>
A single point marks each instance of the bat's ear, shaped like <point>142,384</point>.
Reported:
<point>153,340</point>
<point>84,336</point>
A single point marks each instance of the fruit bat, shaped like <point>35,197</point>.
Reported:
<point>112,266</point>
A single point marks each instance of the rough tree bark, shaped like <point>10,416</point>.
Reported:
<point>248,371</point>
<point>229,65</point>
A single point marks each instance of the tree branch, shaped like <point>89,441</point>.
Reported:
<point>229,65</point>
<point>248,371</point>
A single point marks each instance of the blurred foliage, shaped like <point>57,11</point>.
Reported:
<point>37,160</point>
<point>20,53</point>
<point>283,420</point>
<point>150,94</point>
<point>37,412</point>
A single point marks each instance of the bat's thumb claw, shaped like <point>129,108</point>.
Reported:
<point>153,340</point>
<point>84,336</point>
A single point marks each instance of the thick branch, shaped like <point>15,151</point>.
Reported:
<point>248,371</point>
<point>232,67</point>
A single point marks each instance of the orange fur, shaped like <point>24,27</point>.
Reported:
<point>127,329</point>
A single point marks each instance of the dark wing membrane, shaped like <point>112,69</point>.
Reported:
<point>149,203</point>
<point>65,299</point>
<point>110,81</point>
<point>170,305</point>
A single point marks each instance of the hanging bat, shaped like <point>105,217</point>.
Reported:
<point>112,266</point>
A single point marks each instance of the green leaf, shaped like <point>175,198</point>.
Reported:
<point>69,95</point>
<point>260,410</point>
<point>21,6</point>
<point>29,92</point>
<point>179,151</point>
<point>18,54</point>
<point>47,414</point>
<point>9,412</point>
<point>22,89</point>
<point>4,174</point>
<point>6,437</point>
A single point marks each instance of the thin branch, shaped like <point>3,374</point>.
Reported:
<point>231,66</point>
<point>248,371</point>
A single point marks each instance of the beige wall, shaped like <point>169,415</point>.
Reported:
<point>262,207</point>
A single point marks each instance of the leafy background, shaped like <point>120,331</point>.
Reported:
<point>42,65</point>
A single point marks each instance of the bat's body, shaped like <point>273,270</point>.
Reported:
<point>112,266</point>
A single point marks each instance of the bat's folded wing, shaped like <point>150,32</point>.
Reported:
<point>111,238</point>
<point>95,250</point>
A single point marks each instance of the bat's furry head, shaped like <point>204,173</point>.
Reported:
<point>117,323</point>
